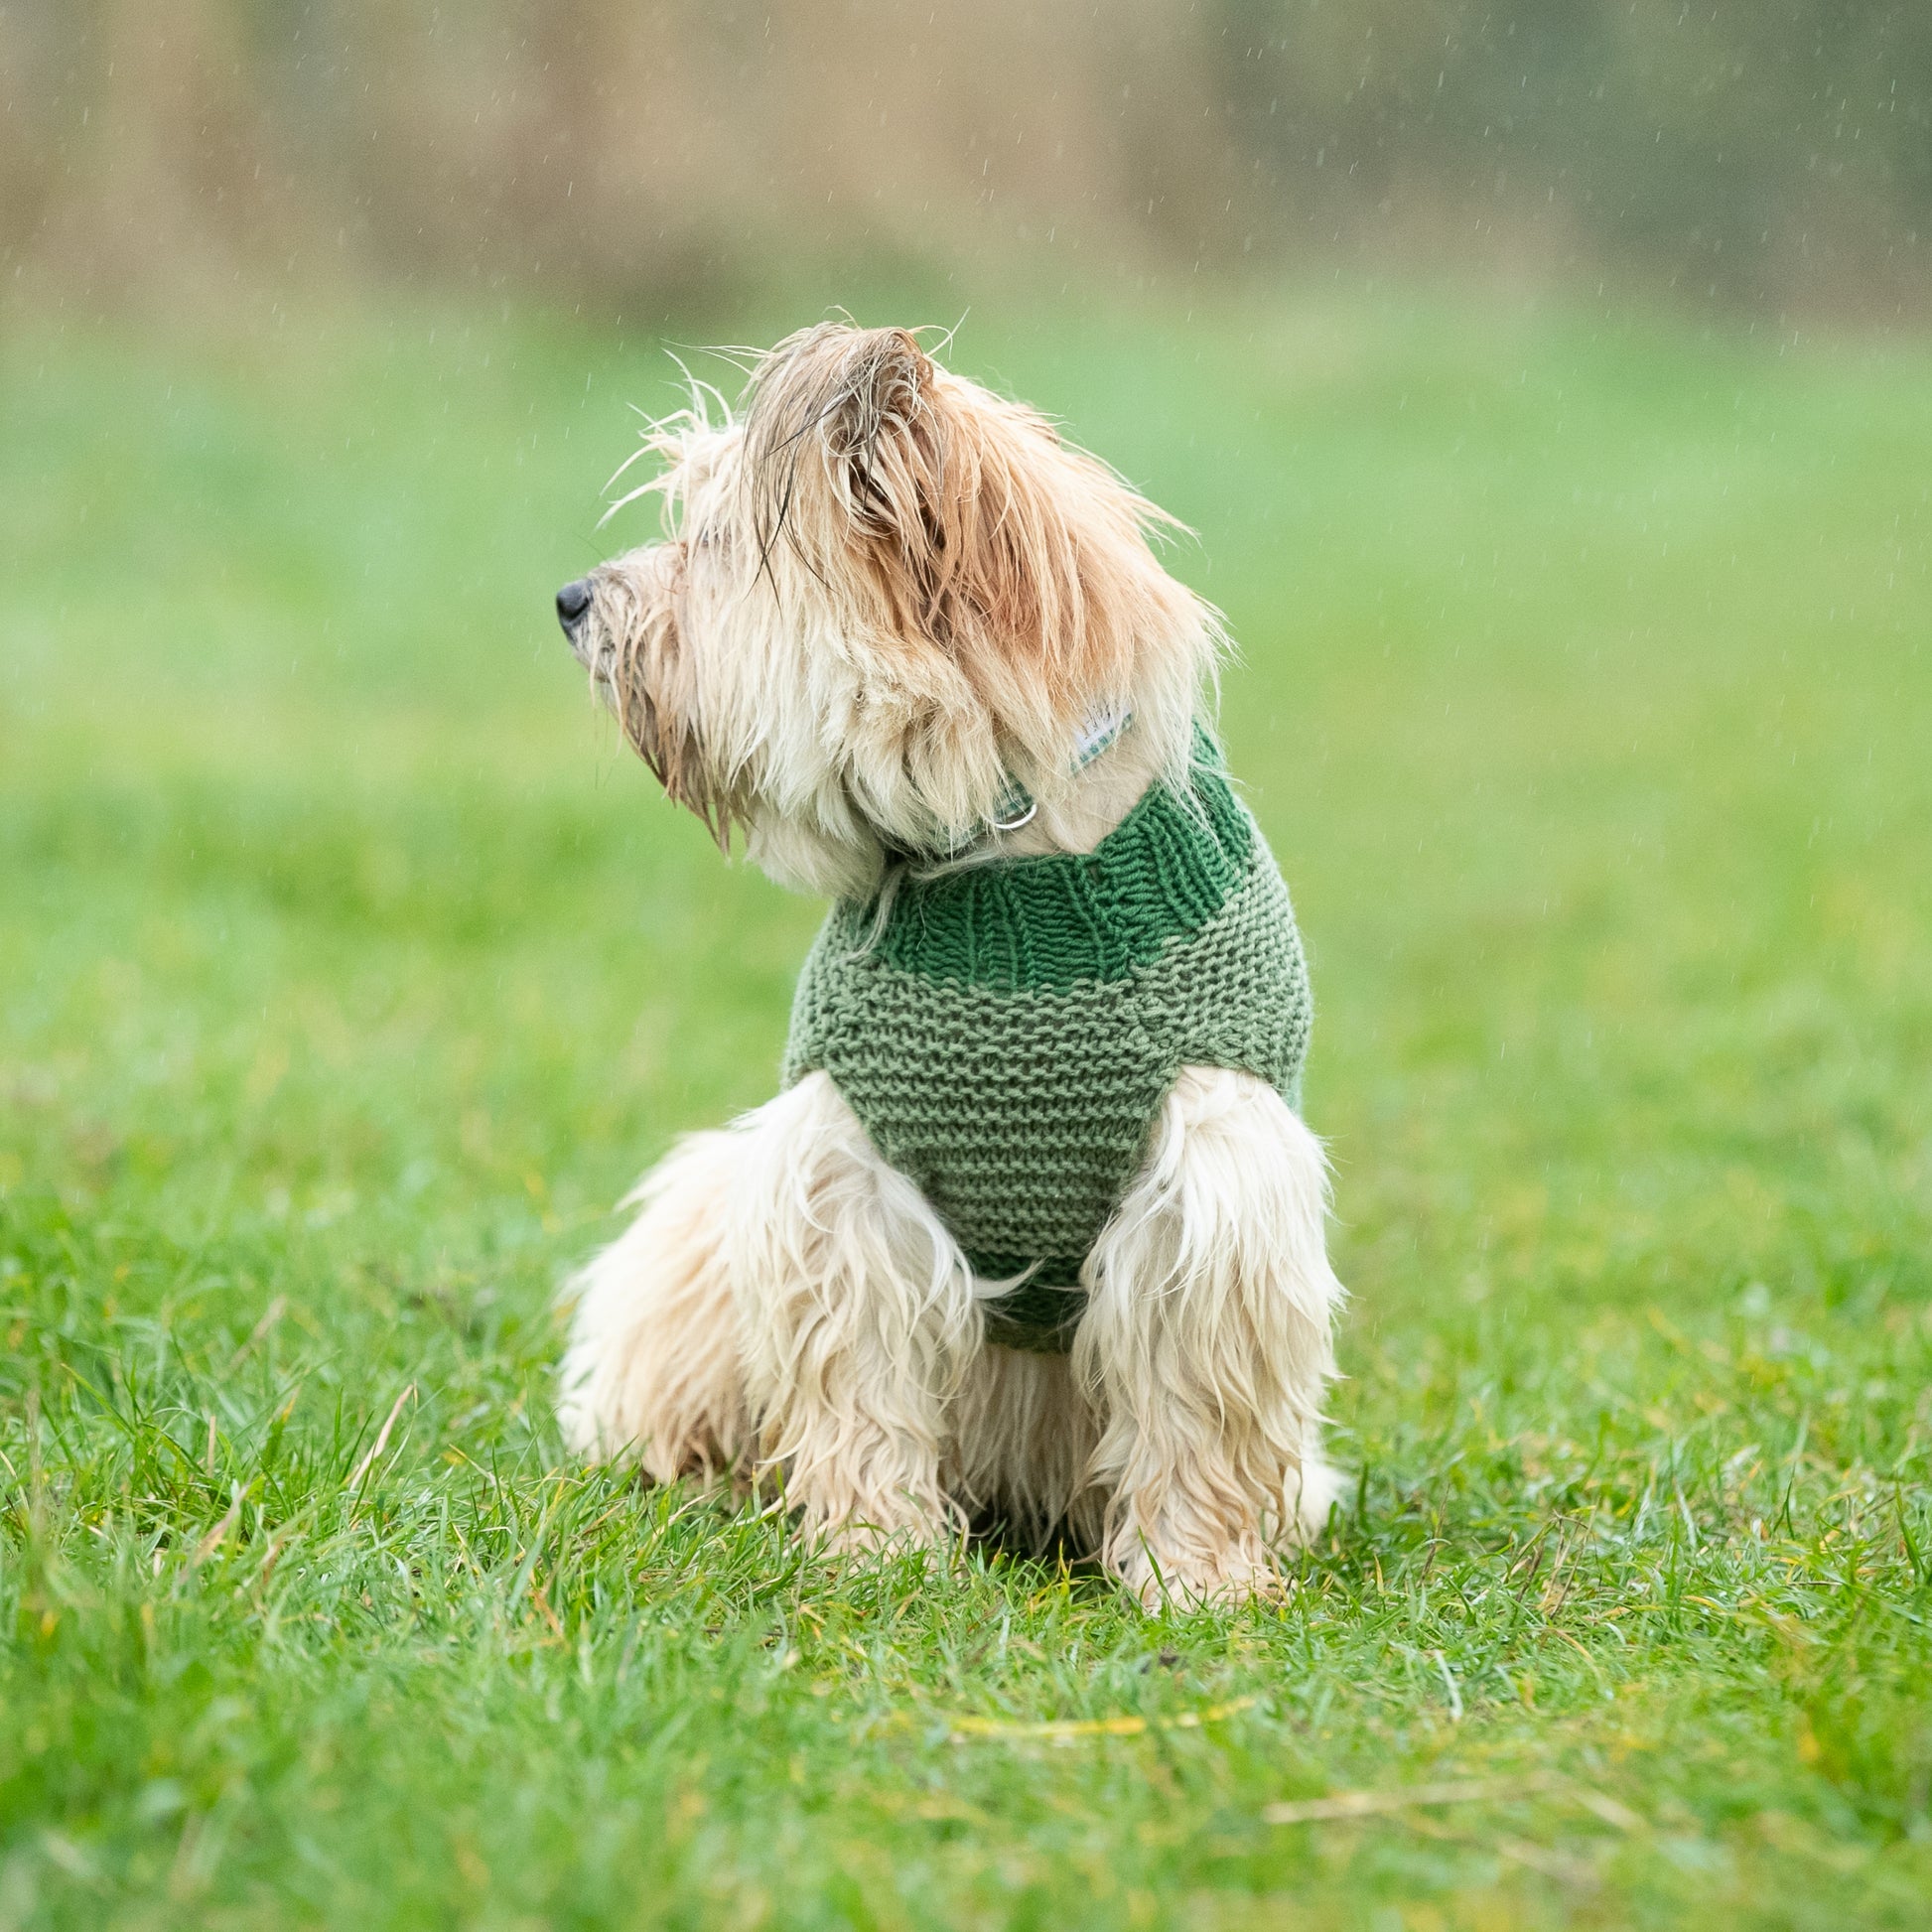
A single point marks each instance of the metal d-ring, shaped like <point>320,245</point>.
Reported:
<point>1014,824</point>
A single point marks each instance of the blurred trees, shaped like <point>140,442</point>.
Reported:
<point>1751,149</point>
<point>650,152</point>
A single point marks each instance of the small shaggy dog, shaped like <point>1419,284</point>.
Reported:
<point>1034,1230</point>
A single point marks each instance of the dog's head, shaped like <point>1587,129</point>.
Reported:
<point>883,595</point>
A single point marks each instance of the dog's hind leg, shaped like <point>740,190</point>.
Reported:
<point>856,1320</point>
<point>1206,1345</point>
<point>653,1371</point>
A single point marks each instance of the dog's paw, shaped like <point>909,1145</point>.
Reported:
<point>1320,1489</point>
<point>887,1525</point>
<point>1196,1578</point>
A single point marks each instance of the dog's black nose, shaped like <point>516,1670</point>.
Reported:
<point>573,601</point>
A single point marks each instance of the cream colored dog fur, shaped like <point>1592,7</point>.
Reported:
<point>885,592</point>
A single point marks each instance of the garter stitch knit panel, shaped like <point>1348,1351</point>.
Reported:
<point>1008,1034</point>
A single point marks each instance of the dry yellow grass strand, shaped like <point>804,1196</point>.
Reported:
<point>1061,1730</point>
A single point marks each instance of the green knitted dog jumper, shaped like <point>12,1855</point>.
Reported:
<point>1008,1032</point>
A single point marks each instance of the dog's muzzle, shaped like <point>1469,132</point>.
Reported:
<point>572,602</point>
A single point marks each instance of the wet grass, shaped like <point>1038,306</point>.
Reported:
<point>347,974</point>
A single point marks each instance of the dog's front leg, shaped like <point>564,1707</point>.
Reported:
<point>856,1320</point>
<point>1206,1345</point>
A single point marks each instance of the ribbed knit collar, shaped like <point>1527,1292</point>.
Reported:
<point>1057,919</point>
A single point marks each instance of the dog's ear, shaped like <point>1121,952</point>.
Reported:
<point>991,585</point>
<point>846,446</point>
<point>975,529</point>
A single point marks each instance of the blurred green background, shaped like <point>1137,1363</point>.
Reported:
<point>1547,387</point>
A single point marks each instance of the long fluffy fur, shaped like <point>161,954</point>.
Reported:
<point>1206,1343</point>
<point>883,592</point>
<point>653,1372</point>
<point>789,1311</point>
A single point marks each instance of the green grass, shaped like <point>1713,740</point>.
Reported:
<point>347,974</point>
